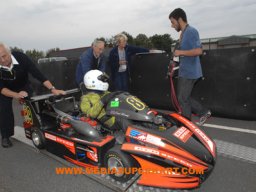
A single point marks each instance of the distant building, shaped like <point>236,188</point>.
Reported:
<point>74,54</point>
<point>51,59</point>
<point>70,54</point>
<point>233,41</point>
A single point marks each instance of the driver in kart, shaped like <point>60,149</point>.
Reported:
<point>95,100</point>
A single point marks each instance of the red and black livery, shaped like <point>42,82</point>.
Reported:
<point>152,141</point>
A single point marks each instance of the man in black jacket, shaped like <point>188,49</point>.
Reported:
<point>14,83</point>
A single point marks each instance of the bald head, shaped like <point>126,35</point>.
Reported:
<point>5,47</point>
<point>5,55</point>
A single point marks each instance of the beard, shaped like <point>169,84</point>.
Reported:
<point>178,29</point>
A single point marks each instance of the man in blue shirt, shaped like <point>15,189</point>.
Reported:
<point>190,70</point>
<point>91,59</point>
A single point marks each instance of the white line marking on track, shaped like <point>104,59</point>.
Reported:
<point>230,128</point>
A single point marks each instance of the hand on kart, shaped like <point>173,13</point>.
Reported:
<point>106,98</point>
<point>21,94</point>
<point>58,92</point>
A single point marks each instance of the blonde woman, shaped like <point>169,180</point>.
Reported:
<point>120,59</point>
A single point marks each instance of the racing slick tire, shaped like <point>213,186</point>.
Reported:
<point>120,163</point>
<point>38,139</point>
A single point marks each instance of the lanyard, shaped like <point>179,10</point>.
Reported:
<point>181,34</point>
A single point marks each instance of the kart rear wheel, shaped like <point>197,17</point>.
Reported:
<point>38,139</point>
<point>120,163</point>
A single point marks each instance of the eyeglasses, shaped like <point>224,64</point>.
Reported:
<point>9,75</point>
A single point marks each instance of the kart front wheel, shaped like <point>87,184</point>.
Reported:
<point>38,139</point>
<point>120,164</point>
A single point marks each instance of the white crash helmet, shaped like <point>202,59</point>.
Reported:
<point>96,80</point>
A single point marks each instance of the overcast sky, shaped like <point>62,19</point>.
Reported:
<point>45,24</point>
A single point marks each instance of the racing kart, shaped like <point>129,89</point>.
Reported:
<point>153,144</point>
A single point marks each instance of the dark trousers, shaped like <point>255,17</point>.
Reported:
<point>6,117</point>
<point>187,103</point>
<point>121,81</point>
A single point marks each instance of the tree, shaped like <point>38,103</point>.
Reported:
<point>162,42</point>
<point>110,42</point>
<point>48,53</point>
<point>16,49</point>
<point>143,41</point>
<point>35,54</point>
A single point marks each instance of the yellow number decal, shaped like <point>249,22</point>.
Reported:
<point>136,103</point>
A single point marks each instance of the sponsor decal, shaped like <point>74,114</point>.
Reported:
<point>183,134</point>
<point>66,143</point>
<point>176,159</point>
<point>112,112</point>
<point>138,135</point>
<point>114,103</point>
<point>146,150</point>
<point>164,155</point>
<point>27,114</point>
<point>146,138</point>
<point>201,135</point>
<point>49,136</point>
<point>155,140</point>
<point>206,139</point>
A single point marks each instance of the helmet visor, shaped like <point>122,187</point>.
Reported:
<point>104,77</point>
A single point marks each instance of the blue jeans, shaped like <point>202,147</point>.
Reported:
<point>187,103</point>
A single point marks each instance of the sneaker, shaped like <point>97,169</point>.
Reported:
<point>204,118</point>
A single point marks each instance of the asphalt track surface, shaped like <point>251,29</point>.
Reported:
<point>23,168</point>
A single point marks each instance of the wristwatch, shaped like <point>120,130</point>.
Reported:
<point>52,88</point>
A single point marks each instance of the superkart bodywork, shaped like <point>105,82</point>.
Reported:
<point>167,150</point>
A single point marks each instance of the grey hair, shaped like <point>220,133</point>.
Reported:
<point>6,47</point>
<point>120,36</point>
<point>96,42</point>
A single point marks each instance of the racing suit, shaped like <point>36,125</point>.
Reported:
<point>92,106</point>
